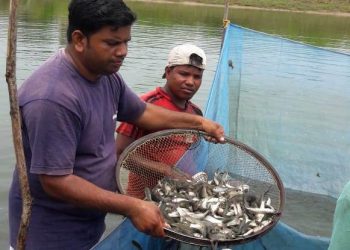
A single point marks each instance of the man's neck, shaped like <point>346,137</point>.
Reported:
<point>178,102</point>
<point>75,59</point>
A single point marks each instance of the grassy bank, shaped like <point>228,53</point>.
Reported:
<point>334,6</point>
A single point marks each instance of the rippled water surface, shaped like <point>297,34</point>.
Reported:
<point>41,31</point>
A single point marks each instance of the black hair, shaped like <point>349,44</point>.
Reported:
<point>89,16</point>
<point>196,60</point>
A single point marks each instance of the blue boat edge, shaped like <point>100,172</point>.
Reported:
<point>282,236</point>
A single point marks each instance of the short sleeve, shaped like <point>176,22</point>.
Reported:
<point>130,106</point>
<point>53,133</point>
<point>128,130</point>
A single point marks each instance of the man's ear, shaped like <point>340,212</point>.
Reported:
<point>167,70</point>
<point>79,40</point>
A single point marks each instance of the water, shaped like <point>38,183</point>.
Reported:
<point>41,31</point>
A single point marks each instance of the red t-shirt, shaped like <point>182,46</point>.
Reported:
<point>137,183</point>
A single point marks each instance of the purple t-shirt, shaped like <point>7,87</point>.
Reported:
<point>68,125</point>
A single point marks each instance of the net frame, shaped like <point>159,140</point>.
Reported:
<point>133,150</point>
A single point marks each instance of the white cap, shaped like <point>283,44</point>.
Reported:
<point>183,55</point>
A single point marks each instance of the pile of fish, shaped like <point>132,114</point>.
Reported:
<point>220,209</point>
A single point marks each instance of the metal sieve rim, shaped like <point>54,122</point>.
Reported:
<point>194,240</point>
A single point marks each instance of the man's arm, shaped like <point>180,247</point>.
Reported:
<point>122,142</point>
<point>158,118</point>
<point>145,216</point>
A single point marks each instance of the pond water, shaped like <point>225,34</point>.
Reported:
<point>41,31</point>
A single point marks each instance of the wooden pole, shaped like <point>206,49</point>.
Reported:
<point>225,21</point>
<point>16,125</point>
<point>226,10</point>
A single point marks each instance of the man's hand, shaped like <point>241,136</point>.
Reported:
<point>147,218</point>
<point>214,129</point>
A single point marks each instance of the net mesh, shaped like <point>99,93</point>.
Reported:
<point>151,160</point>
<point>176,153</point>
<point>290,102</point>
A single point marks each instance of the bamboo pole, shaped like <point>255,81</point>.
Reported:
<point>225,21</point>
<point>16,125</point>
<point>226,9</point>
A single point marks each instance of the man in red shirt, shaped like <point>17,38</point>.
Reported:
<point>183,74</point>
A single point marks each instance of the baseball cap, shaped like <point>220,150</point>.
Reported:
<point>187,54</point>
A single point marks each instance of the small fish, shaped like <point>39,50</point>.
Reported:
<point>219,209</point>
<point>198,235</point>
<point>174,214</point>
<point>217,236</point>
<point>261,210</point>
<point>200,177</point>
<point>178,200</point>
<point>220,189</point>
<point>183,228</point>
<point>258,228</point>
<point>211,219</point>
<point>183,212</point>
<point>235,222</point>
<point>239,210</point>
<point>136,245</point>
<point>243,227</point>
<point>228,233</point>
<point>191,194</point>
<point>230,63</point>
<point>234,206</point>
<point>200,227</point>
<point>220,178</point>
<point>214,207</point>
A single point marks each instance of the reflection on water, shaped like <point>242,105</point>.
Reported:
<point>41,31</point>
<point>320,30</point>
<point>149,49</point>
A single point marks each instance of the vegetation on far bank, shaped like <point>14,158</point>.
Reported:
<point>342,6</point>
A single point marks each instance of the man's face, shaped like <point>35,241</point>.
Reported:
<point>106,49</point>
<point>183,81</point>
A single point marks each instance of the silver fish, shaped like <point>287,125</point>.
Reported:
<point>218,209</point>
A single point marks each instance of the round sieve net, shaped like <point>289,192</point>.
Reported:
<point>183,153</point>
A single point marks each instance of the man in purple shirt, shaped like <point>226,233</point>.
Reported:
<point>69,109</point>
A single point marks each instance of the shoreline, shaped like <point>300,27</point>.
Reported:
<point>330,13</point>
